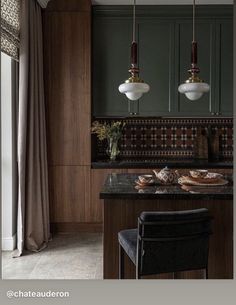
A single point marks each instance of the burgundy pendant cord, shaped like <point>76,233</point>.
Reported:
<point>194,69</point>
<point>134,53</point>
<point>134,47</point>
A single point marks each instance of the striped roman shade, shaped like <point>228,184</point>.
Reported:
<point>10,27</point>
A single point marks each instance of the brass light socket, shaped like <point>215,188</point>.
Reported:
<point>134,79</point>
<point>194,79</point>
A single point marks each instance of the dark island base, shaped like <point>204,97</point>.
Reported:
<point>122,214</point>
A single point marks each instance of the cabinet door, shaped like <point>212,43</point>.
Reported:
<point>69,193</point>
<point>67,87</point>
<point>205,37</point>
<point>225,68</point>
<point>156,57</point>
<point>111,62</point>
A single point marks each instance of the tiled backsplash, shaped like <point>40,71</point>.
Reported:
<point>151,138</point>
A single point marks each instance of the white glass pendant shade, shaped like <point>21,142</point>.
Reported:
<point>134,91</point>
<point>194,91</point>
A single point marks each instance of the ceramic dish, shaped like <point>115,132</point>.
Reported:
<point>199,173</point>
<point>146,179</point>
<point>214,175</point>
<point>152,182</point>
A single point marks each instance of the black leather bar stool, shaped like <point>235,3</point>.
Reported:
<point>167,242</point>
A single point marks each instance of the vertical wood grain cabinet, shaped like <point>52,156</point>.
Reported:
<point>67,48</point>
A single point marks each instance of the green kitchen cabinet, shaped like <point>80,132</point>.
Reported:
<point>111,62</point>
<point>224,68</point>
<point>156,56</point>
<point>205,37</point>
<point>164,35</point>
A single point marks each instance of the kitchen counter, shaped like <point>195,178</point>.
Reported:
<point>159,163</point>
<point>122,186</point>
<point>123,204</point>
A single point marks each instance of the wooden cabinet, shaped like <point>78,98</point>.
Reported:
<point>69,194</point>
<point>67,75</point>
<point>67,87</point>
<point>164,59</point>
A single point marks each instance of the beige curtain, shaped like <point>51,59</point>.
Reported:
<point>33,231</point>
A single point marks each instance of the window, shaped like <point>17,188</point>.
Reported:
<point>8,150</point>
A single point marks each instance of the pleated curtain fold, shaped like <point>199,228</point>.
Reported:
<point>33,231</point>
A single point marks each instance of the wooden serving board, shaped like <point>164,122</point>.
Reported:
<point>189,181</point>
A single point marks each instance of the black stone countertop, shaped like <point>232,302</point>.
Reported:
<point>122,186</point>
<point>160,163</point>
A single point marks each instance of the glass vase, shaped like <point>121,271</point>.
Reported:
<point>113,149</point>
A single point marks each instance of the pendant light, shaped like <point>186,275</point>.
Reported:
<point>134,87</point>
<point>194,87</point>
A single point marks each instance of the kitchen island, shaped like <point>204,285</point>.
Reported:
<point>123,203</point>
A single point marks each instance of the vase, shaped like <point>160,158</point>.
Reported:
<point>113,149</point>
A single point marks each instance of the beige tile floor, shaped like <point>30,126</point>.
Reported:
<point>76,256</point>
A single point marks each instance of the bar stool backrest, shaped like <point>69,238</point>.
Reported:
<point>173,241</point>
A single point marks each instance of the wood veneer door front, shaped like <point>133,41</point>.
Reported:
<point>67,86</point>
<point>69,193</point>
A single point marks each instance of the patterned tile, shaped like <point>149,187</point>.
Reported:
<point>168,137</point>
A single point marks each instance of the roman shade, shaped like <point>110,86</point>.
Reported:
<point>43,3</point>
<point>10,27</point>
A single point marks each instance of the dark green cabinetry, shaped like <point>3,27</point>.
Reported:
<point>224,68</point>
<point>164,59</point>
<point>156,56</point>
<point>111,53</point>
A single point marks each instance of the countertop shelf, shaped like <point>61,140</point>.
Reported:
<point>122,186</point>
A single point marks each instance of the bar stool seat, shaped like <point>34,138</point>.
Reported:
<point>167,242</point>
